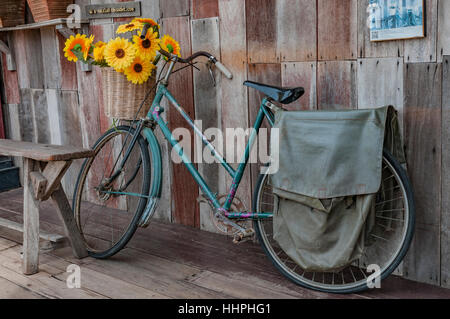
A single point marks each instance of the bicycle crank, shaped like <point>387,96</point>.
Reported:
<point>239,229</point>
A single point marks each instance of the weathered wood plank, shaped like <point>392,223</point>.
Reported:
<point>40,116</point>
<point>151,9</point>
<point>268,74</point>
<point>53,98</point>
<point>184,189</point>
<point>261,31</point>
<point>302,74</point>
<point>51,65</point>
<point>174,8</point>
<point>297,30</point>
<point>423,89</point>
<point>337,86</point>
<point>369,49</point>
<point>205,9</point>
<point>68,69</point>
<point>12,291</point>
<point>68,220</point>
<point>443,29</point>
<point>10,83</point>
<point>26,120</point>
<point>425,49</point>
<point>28,54</point>
<point>30,222</point>
<point>380,83</point>
<point>42,152</point>
<point>337,29</point>
<point>445,210</point>
<point>205,37</point>
<point>234,95</point>
<point>70,122</point>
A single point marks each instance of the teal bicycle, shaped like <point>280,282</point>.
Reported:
<point>118,191</point>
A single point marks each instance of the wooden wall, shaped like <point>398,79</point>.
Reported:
<point>322,45</point>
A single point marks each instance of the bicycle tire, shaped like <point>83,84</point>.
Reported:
<point>146,175</point>
<point>265,243</point>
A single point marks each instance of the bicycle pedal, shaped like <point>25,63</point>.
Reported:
<point>242,237</point>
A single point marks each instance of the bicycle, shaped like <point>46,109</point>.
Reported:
<point>130,188</point>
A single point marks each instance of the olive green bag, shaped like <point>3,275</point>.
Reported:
<point>329,172</point>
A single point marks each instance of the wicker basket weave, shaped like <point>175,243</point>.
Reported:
<point>12,13</point>
<point>44,10</point>
<point>122,98</point>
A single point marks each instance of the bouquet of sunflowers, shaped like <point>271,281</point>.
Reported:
<point>135,58</point>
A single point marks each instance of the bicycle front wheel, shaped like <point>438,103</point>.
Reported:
<point>107,207</point>
<point>389,239</point>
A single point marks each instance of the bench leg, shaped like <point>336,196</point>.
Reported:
<point>65,213</point>
<point>30,264</point>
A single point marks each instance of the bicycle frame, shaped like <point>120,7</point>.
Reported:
<point>154,115</point>
<point>155,112</point>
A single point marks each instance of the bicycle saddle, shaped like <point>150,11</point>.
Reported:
<point>278,94</point>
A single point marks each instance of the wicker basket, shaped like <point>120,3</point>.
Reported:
<point>12,13</point>
<point>44,10</point>
<point>122,98</point>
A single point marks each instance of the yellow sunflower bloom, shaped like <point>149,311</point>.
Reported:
<point>119,53</point>
<point>139,71</point>
<point>124,28</point>
<point>88,47</point>
<point>146,48</point>
<point>146,20</point>
<point>79,42</point>
<point>99,51</point>
<point>170,45</point>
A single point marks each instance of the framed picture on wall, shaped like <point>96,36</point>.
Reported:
<point>396,19</point>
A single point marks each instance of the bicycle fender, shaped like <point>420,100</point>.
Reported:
<point>156,187</point>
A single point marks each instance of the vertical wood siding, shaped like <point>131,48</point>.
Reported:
<point>322,45</point>
<point>422,114</point>
<point>337,85</point>
<point>337,29</point>
<point>445,209</point>
<point>184,204</point>
<point>424,50</point>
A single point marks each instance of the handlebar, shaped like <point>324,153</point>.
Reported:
<point>171,56</point>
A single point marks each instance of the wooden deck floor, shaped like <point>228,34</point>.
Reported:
<point>165,261</point>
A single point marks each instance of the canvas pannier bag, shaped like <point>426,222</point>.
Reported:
<point>329,172</point>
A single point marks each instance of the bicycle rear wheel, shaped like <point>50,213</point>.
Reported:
<point>108,213</point>
<point>390,237</point>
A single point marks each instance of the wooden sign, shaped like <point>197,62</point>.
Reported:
<point>113,10</point>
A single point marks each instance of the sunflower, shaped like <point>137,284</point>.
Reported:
<point>146,20</point>
<point>139,71</point>
<point>78,43</point>
<point>170,45</point>
<point>119,53</point>
<point>146,48</point>
<point>88,47</point>
<point>99,50</point>
<point>124,28</point>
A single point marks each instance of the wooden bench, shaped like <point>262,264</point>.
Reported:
<point>44,167</point>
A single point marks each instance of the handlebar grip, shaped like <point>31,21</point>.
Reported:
<point>145,30</point>
<point>224,70</point>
